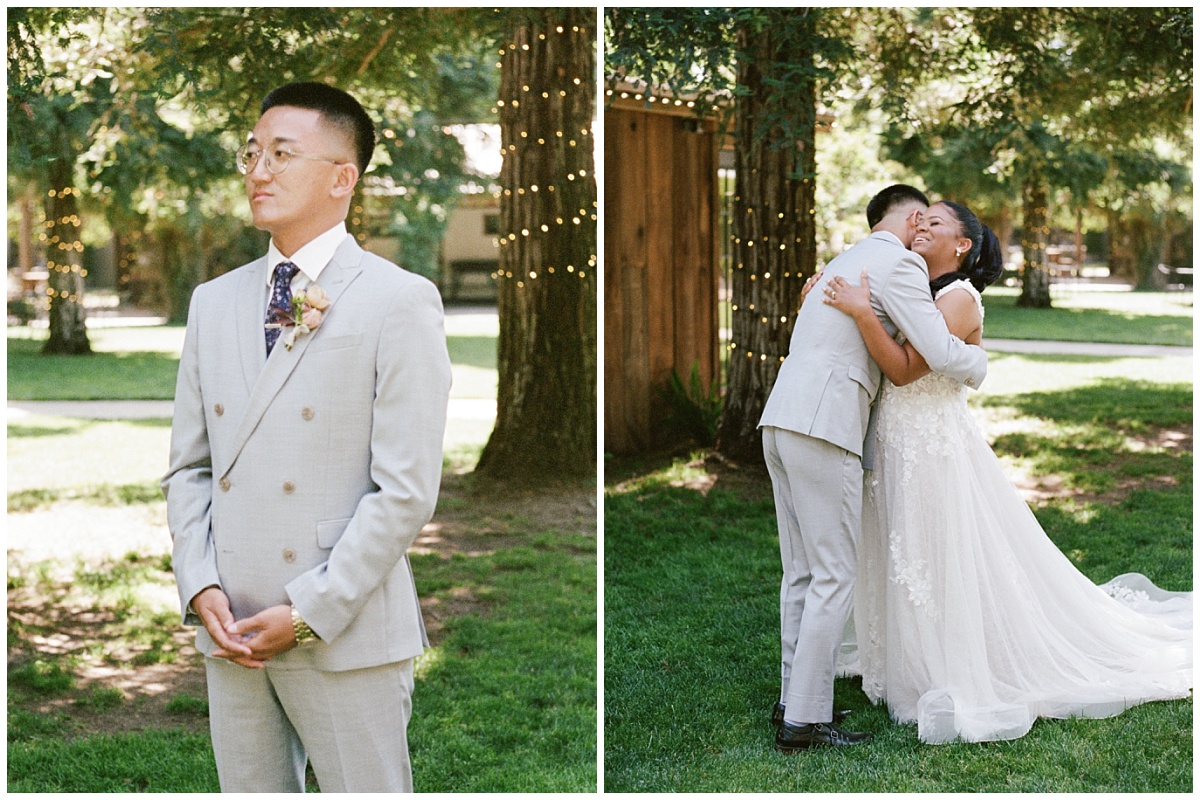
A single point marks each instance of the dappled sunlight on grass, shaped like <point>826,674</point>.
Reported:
<point>60,453</point>
<point>1103,434</point>
<point>1102,446</point>
<point>430,660</point>
<point>685,472</point>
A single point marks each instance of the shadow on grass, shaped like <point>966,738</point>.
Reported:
<point>692,649</point>
<point>1130,405</point>
<point>77,425</point>
<point>1113,435</point>
<point>691,613</point>
<point>35,431</point>
<point>505,698</point>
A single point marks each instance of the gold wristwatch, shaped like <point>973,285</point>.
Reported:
<point>300,629</point>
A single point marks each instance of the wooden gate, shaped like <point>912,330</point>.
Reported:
<point>660,264</point>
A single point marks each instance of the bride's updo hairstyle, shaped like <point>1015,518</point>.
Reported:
<point>984,262</point>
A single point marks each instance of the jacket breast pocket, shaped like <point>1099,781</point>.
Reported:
<point>336,343</point>
<point>865,378</point>
<point>330,531</point>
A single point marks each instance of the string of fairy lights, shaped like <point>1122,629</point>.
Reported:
<point>764,242</point>
<point>62,236</point>
<point>1036,247</point>
<point>613,94</point>
<point>572,141</point>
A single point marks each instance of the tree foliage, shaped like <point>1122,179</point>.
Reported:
<point>1030,100</point>
<point>994,106</point>
<point>166,94</point>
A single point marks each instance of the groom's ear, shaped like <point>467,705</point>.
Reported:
<point>345,179</point>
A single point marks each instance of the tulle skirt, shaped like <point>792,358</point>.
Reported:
<point>968,620</point>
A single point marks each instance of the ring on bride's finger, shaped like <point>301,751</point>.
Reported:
<point>833,295</point>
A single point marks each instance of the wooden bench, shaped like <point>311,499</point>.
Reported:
<point>1178,279</point>
<point>453,272</point>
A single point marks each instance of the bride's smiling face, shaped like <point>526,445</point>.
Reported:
<point>939,240</point>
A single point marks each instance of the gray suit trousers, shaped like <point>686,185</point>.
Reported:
<point>266,723</point>
<point>818,504</point>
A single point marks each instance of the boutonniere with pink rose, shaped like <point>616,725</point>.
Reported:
<point>305,316</point>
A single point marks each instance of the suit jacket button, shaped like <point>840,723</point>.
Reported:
<point>307,413</point>
<point>220,409</point>
<point>289,487</point>
<point>289,555</point>
<point>225,484</point>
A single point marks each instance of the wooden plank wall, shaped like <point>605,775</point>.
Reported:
<point>661,266</point>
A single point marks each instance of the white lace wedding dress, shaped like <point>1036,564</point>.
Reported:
<point>969,621</point>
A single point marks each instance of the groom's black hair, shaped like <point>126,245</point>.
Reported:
<point>337,107</point>
<point>888,198</point>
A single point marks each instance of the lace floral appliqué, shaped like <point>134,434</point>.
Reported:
<point>912,576</point>
<point>1127,596</point>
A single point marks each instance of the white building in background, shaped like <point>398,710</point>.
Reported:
<point>470,250</point>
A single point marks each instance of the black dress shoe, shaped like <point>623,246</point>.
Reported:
<point>791,738</point>
<point>777,715</point>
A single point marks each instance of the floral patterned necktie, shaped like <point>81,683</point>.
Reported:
<point>281,299</point>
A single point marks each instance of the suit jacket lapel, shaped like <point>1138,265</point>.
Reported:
<point>278,367</point>
<point>251,311</point>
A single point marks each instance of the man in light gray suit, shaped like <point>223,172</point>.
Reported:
<point>306,455</point>
<point>814,425</point>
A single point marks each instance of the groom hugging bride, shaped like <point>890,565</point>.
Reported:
<point>968,620</point>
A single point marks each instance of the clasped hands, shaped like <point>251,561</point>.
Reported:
<point>250,642</point>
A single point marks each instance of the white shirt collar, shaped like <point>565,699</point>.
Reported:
<point>312,258</point>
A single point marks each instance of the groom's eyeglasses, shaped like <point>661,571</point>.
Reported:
<point>277,159</point>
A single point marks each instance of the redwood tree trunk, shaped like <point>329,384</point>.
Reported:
<point>546,400</point>
<point>64,260</point>
<point>774,240</point>
<point>1035,273</point>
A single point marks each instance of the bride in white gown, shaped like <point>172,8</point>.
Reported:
<point>969,621</point>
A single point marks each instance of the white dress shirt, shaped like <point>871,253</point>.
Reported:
<point>312,258</point>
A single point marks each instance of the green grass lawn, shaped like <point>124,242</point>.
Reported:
<point>1080,315</point>
<point>505,700</point>
<point>140,363</point>
<point>691,602</point>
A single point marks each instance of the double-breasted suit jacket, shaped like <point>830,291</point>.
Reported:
<point>304,477</point>
<point>828,381</point>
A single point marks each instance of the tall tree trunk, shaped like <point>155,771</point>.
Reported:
<point>774,236</point>
<point>546,401</point>
<point>1035,274</point>
<point>1149,237</point>
<point>1120,262</point>
<point>64,260</point>
<point>1079,256</point>
<point>25,235</point>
